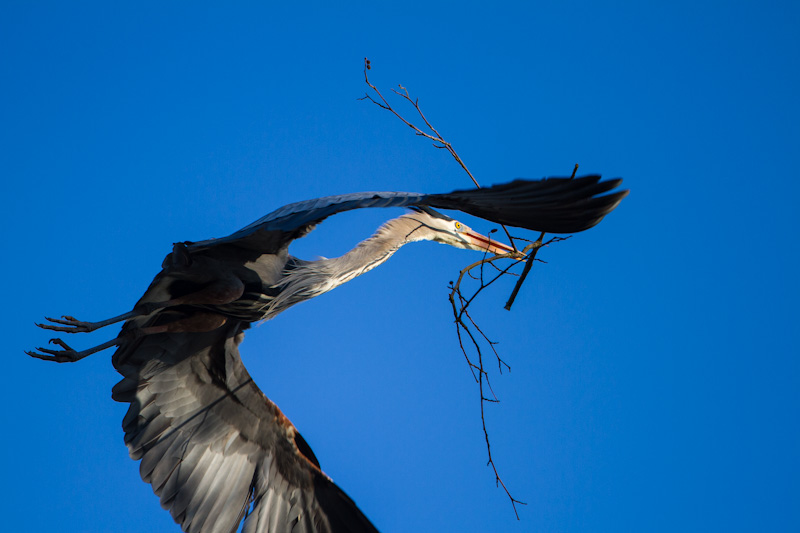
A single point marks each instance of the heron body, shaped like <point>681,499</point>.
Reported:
<point>214,448</point>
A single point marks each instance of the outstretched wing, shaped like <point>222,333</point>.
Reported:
<point>212,446</point>
<point>554,205</point>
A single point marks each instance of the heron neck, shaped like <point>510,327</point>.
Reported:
<point>312,278</point>
<point>375,250</point>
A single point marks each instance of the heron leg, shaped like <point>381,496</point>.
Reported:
<point>70,324</point>
<point>196,323</point>
<point>67,354</point>
<point>218,293</point>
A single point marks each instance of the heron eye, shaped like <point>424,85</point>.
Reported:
<point>458,225</point>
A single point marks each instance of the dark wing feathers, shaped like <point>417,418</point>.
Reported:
<point>196,462</point>
<point>210,443</point>
<point>291,221</point>
<point>339,509</point>
<point>554,205</point>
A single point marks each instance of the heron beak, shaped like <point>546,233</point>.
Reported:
<point>483,243</point>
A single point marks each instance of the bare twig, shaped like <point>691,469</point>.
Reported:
<point>438,140</point>
<point>462,316</point>
<point>467,330</point>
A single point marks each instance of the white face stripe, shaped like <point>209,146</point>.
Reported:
<point>452,232</point>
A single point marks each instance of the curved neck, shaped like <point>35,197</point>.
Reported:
<point>375,250</point>
<point>306,279</point>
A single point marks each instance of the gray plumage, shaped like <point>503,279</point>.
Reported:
<point>214,448</point>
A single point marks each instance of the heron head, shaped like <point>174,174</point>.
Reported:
<point>441,228</point>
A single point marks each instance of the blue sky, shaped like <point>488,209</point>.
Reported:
<point>655,373</point>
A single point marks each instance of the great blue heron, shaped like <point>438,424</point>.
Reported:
<point>214,448</point>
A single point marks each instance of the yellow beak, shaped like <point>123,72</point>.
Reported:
<point>485,243</point>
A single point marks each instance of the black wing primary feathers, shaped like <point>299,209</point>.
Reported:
<point>552,205</point>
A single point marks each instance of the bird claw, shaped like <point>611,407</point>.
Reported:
<point>65,355</point>
<point>69,324</point>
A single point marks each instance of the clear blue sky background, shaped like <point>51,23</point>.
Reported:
<point>655,368</point>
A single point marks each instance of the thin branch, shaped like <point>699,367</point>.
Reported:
<point>463,320</point>
<point>435,137</point>
<point>468,332</point>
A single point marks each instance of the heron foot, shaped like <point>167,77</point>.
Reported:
<point>65,355</point>
<point>68,355</point>
<point>70,324</point>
